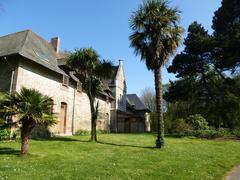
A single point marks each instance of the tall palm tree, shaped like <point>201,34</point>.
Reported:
<point>156,36</point>
<point>29,108</point>
<point>90,70</point>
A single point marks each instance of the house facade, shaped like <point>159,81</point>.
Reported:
<point>27,60</point>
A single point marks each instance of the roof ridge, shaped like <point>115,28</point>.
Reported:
<point>24,41</point>
<point>45,41</point>
<point>10,34</point>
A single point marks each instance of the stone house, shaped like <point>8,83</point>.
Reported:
<point>27,60</point>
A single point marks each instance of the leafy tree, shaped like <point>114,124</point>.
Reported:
<point>156,36</point>
<point>29,108</point>
<point>204,88</point>
<point>196,59</point>
<point>90,70</point>
<point>226,25</point>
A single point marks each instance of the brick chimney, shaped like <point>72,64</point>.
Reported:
<point>56,44</point>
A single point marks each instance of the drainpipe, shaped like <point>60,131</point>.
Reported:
<point>73,110</point>
<point>11,86</point>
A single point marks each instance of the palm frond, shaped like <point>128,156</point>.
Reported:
<point>29,105</point>
<point>156,32</point>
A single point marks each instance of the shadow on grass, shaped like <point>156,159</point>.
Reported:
<point>9,151</point>
<point>55,139</point>
<point>125,145</point>
<point>64,139</point>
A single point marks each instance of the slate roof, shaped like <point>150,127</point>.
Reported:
<point>133,101</point>
<point>31,46</point>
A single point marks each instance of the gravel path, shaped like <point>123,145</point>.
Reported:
<point>234,174</point>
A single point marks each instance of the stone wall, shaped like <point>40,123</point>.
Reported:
<point>6,70</point>
<point>31,75</point>
<point>120,90</point>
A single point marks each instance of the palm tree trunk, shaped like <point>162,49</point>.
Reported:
<point>159,107</point>
<point>25,134</point>
<point>93,113</point>
<point>93,122</point>
<point>94,130</point>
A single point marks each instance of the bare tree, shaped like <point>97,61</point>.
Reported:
<point>148,98</point>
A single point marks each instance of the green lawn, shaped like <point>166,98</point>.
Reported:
<point>119,157</point>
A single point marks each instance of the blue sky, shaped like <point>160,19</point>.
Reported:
<point>101,24</point>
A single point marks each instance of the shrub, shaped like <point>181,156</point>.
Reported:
<point>5,133</point>
<point>82,132</point>
<point>211,133</point>
<point>197,122</point>
<point>100,131</point>
<point>181,127</point>
<point>40,131</point>
<point>236,132</point>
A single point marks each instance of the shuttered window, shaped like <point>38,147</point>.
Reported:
<point>65,81</point>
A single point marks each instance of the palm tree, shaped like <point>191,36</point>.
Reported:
<point>90,70</point>
<point>2,98</point>
<point>29,108</point>
<point>156,36</point>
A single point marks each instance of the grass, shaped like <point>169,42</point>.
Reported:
<point>119,157</point>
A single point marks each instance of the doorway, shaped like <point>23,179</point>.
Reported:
<point>127,125</point>
<point>63,118</point>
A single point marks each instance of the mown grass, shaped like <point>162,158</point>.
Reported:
<point>119,157</point>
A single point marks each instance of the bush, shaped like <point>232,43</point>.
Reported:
<point>5,133</point>
<point>236,132</point>
<point>100,131</point>
<point>41,131</point>
<point>180,127</point>
<point>211,133</point>
<point>197,122</point>
<point>81,132</point>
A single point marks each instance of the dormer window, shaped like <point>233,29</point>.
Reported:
<point>65,80</point>
<point>79,87</point>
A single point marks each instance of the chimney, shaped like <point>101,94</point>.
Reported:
<point>120,62</point>
<point>56,44</point>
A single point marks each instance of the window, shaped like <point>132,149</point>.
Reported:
<point>65,81</point>
<point>79,87</point>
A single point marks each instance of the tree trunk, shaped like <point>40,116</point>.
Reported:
<point>25,134</point>
<point>93,122</point>
<point>93,112</point>
<point>159,108</point>
<point>94,129</point>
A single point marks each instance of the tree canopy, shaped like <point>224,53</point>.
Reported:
<point>90,70</point>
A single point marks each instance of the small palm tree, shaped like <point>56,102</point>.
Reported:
<point>156,36</point>
<point>29,108</point>
<point>2,114</point>
<point>90,70</point>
